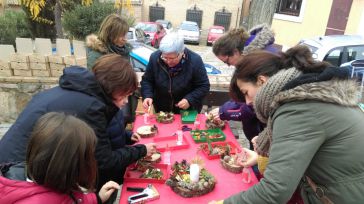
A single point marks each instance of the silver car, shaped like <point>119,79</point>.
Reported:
<point>138,35</point>
<point>190,32</point>
<point>336,49</point>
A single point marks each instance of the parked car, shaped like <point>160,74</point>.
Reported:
<point>215,32</point>
<point>166,25</point>
<point>138,35</point>
<point>140,54</point>
<point>336,49</point>
<point>190,32</point>
<point>149,28</point>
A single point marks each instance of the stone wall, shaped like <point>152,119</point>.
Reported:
<point>15,93</point>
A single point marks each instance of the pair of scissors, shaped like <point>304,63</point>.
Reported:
<point>186,128</point>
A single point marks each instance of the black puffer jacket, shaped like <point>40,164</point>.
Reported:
<point>79,94</point>
<point>190,83</point>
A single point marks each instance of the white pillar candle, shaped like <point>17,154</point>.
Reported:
<point>179,137</point>
<point>194,173</point>
<point>146,118</point>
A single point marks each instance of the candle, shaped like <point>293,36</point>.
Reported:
<point>179,137</point>
<point>194,173</point>
<point>246,175</point>
<point>146,118</point>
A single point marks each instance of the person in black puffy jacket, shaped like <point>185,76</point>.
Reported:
<point>175,78</point>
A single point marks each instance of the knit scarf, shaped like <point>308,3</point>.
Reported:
<point>123,51</point>
<point>262,106</point>
<point>335,89</point>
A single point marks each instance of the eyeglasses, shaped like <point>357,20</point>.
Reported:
<point>169,58</point>
<point>227,61</point>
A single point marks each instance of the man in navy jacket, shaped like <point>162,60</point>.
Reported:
<point>175,78</point>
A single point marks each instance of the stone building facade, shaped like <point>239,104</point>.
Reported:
<point>175,10</point>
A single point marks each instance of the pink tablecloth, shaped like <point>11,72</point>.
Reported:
<point>227,183</point>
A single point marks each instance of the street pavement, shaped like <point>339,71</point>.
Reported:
<point>208,57</point>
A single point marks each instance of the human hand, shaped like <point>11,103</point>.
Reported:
<point>151,148</point>
<point>107,189</point>
<point>251,158</point>
<point>216,202</point>
<point>183,104</point>
<point>135,137</point>
<point>254,142</point>
<point>215,113</point>
<point>147,103</point>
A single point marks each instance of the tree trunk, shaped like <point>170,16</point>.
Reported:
<point>261,11</point>
<point>57,19</point>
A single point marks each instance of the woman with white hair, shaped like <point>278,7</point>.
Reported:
<point>175,77</point>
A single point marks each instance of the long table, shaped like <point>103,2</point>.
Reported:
<point>227,183</point>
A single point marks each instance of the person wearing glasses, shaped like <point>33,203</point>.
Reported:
<point>175,77</point>
<point>229,48</point>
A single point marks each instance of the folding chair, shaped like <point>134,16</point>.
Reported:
<point>61,59</point>
<point>63,47</point>
<point>20,60</point>
<point>6,52</point>
<point>79,51</point>
<point>24,45</point>
<point>38,61</point>
<point>43,46</point>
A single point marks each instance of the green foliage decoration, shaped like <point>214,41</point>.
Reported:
<point>13,24</point>
<point>84,20</point>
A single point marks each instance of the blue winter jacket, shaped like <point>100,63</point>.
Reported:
<point>191,82</point>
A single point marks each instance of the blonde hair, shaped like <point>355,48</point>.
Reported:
<point>112,27</point>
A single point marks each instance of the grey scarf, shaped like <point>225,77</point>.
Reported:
<point>270,98</point>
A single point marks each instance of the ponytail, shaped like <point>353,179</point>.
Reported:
<point>233,40</point>
<point>300,57</point>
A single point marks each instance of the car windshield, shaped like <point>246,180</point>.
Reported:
<point>130,35</point>
<point>217,30</point>
<point>189,27</point>
<point>147,27</point>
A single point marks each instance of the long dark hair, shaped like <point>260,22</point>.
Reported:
<point>250,66</point>
<point>60,153</point>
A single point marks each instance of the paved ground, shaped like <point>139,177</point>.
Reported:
<point>208,57</point>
